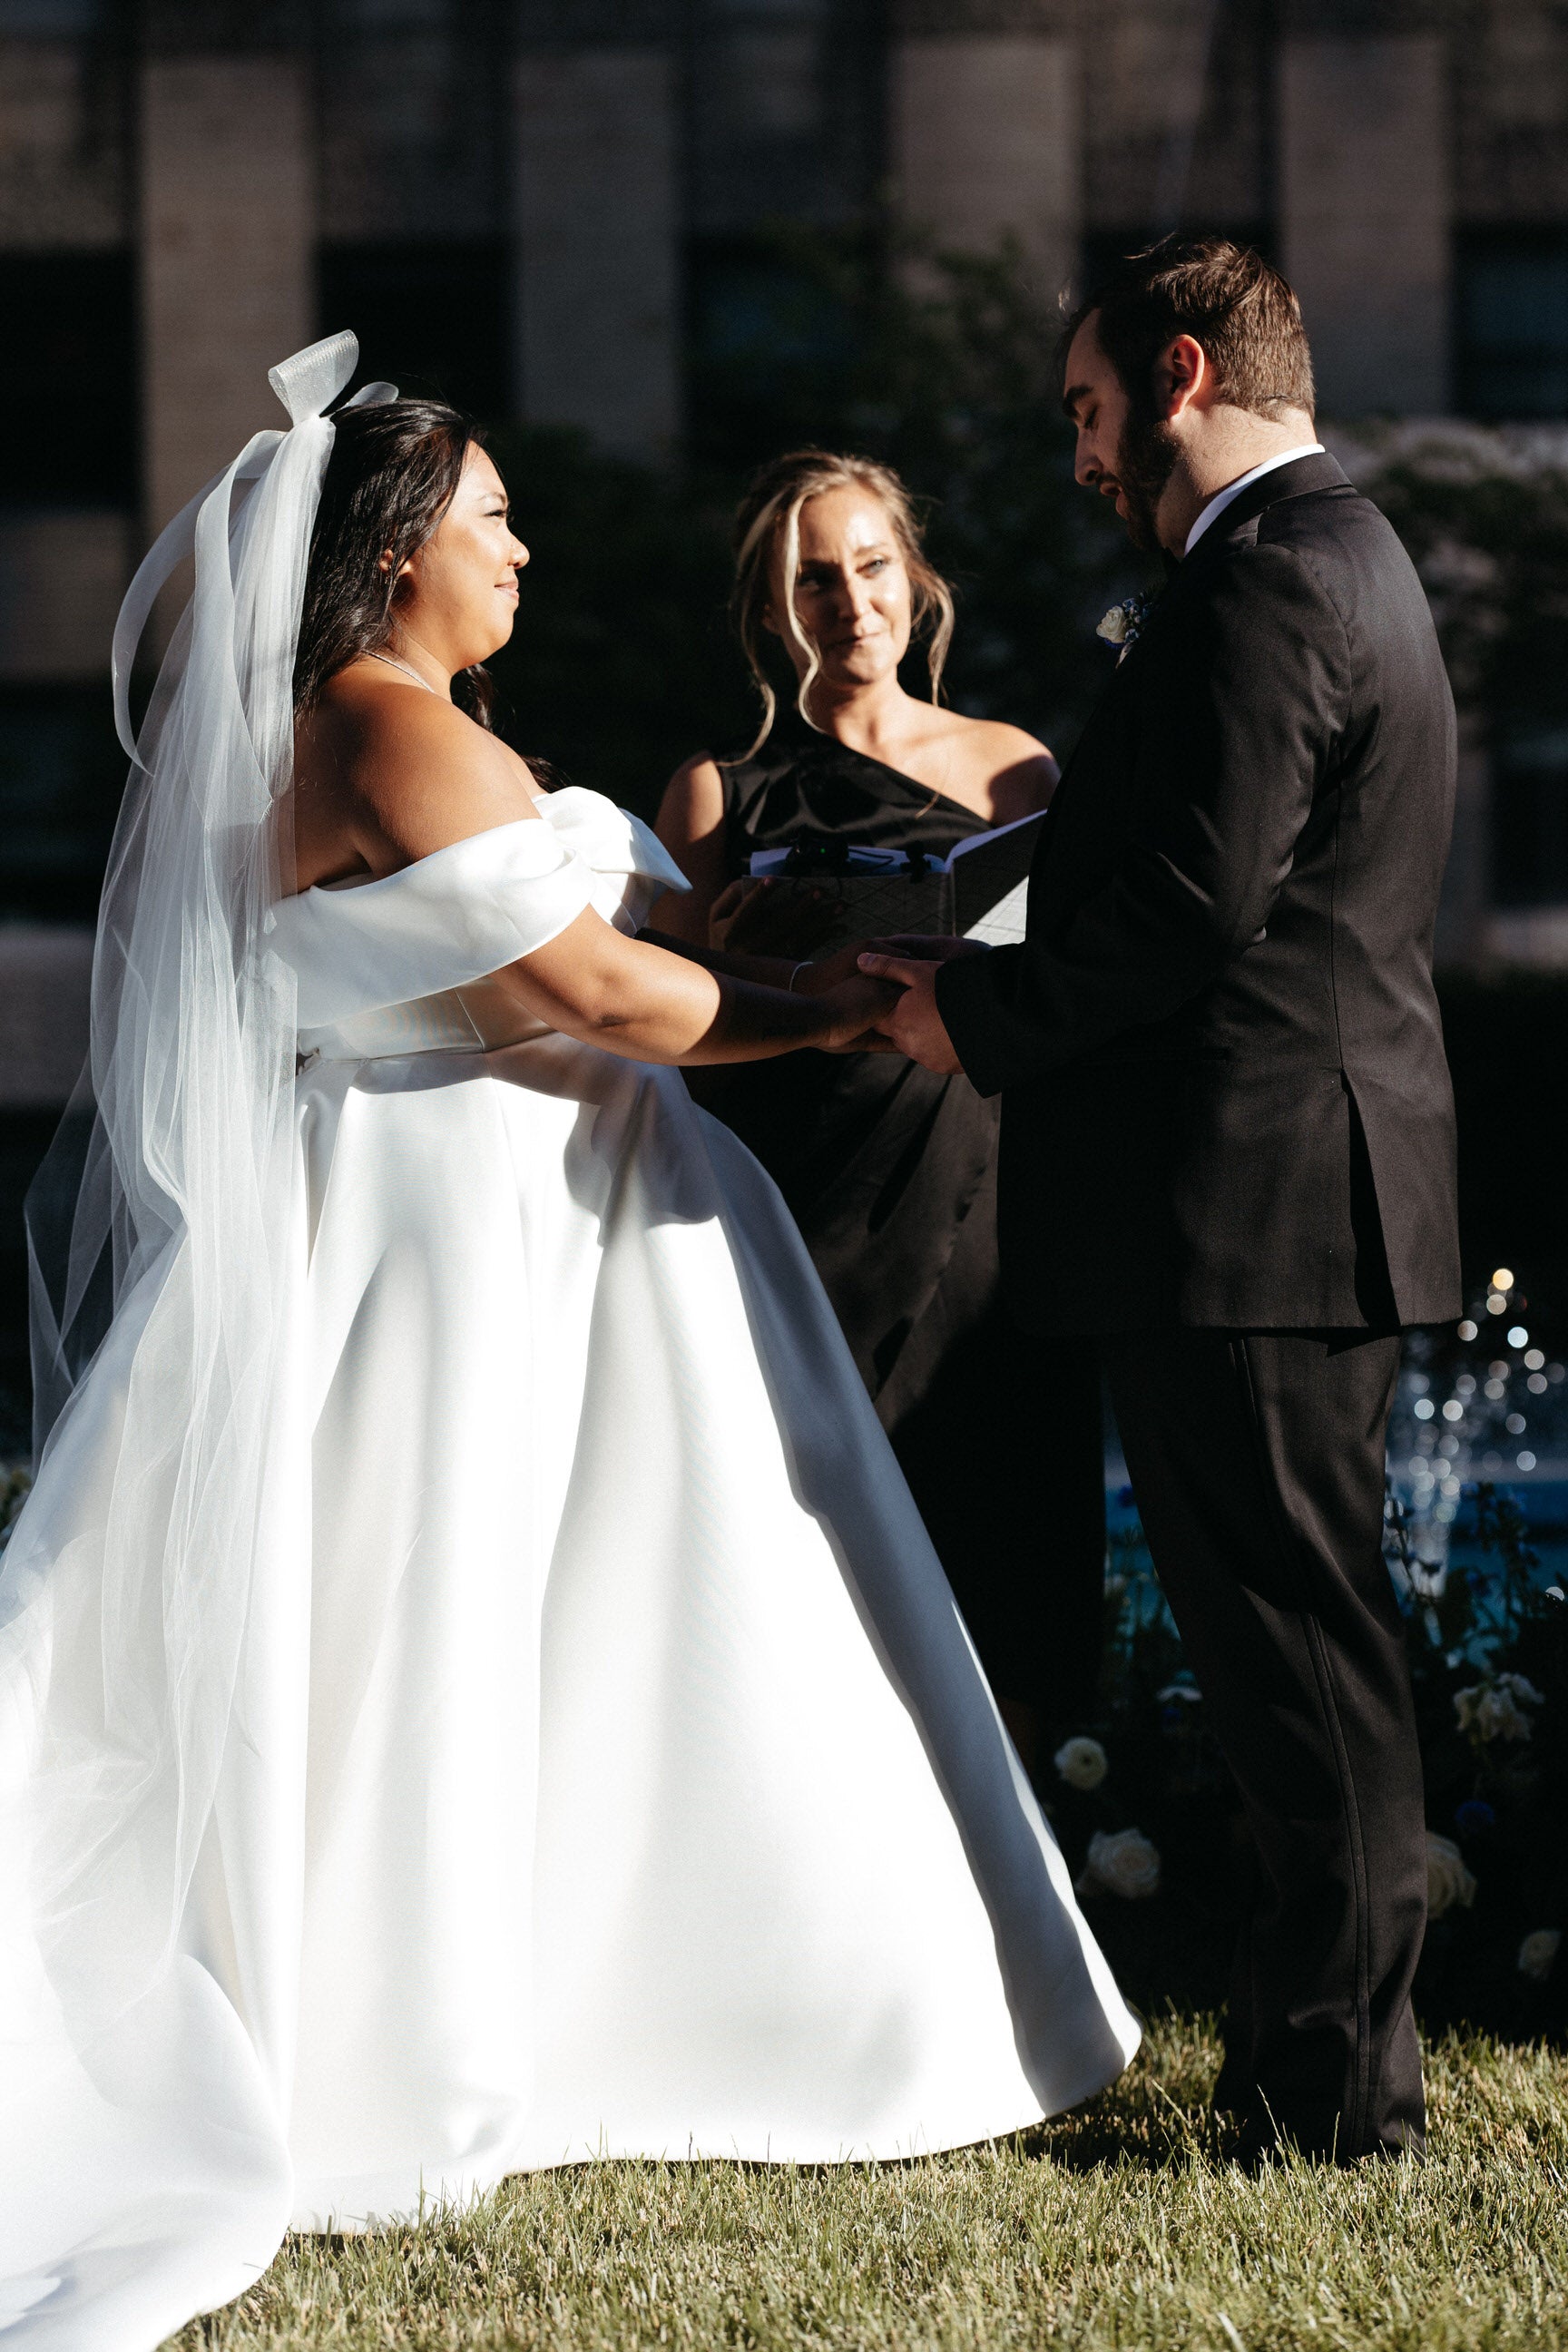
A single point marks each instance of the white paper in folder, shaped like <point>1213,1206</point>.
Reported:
<point>989,875</point>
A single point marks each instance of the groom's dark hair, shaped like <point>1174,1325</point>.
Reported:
<point>1226,297</point>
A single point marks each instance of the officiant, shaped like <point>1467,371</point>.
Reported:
<point>890,1171</point>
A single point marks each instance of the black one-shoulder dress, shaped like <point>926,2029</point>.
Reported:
<point>890,1173</point>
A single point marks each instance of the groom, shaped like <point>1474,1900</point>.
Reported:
<point>1227,1127</point>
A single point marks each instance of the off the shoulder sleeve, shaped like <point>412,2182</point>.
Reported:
<point>451,918</point>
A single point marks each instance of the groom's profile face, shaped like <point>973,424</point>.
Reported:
<point>1125,449</point>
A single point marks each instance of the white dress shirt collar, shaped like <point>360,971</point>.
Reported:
<point>1222,498</point>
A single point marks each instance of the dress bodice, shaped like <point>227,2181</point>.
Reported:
<point>395,965</point>
<point>803,789</point>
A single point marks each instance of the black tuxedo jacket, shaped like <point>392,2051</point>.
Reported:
<point>1225,1100</point>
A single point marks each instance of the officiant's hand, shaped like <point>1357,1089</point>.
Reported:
<point>751,917</point>
<point>913,1026</point>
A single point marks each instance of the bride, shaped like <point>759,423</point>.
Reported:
<point>475,1692</point>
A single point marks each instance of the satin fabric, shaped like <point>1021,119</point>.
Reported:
<point>609,1770</point>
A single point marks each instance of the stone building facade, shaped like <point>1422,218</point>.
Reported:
<point>560,195</point>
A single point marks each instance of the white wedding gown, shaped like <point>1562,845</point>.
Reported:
<point>609,1772</point>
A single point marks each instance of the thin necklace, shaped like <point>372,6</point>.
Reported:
<point>393,662</point>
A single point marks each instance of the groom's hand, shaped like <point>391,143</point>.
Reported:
<point>913,1024</point>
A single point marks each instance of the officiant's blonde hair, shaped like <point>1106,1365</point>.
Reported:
<point>768,521</point>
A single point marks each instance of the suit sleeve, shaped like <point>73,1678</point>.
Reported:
<point>1246,693</point>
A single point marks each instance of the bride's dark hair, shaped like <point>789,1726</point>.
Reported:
<point>394,471</point>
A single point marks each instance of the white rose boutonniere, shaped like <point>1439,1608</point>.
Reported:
<point>1121,1862</point>
<point>1448,1880</point>
<point>1122,624</point>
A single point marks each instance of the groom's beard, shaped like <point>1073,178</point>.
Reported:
<point>1145,461</point>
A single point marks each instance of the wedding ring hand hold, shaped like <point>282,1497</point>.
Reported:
<point>914,1025</point>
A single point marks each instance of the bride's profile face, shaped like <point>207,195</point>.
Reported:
<point>457,593</point>
<point>852,589</point>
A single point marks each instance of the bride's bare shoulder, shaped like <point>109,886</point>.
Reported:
<point>387,772</point>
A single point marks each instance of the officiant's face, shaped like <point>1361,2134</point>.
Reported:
<point>1125,450</point>
<point>851,590</point>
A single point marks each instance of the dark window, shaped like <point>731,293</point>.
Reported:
<point>432,318</point>
<point>1511,321</point>
<point>68,414</point>
<point>61,776</point>
<point>53,18</point>
<point>1530,817</point>
<point>770,347</point>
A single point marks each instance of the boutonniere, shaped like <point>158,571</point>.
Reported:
<point>1123,624</point>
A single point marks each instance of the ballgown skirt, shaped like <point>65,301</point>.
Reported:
<point>610,1772</point>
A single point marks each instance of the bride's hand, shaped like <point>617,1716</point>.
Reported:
<point>817,978</point>
<point>854,1007</point>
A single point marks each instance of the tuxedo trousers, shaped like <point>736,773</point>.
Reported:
<point>1257,1460</point>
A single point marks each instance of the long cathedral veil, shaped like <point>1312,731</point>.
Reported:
<point>158,1234</point>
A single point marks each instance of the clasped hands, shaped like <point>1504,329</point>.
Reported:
<point>900,1009</point>
<point>908,1020</point>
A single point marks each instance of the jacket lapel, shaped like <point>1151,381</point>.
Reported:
<point>1302,475</point>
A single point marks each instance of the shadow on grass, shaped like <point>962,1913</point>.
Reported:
<point>1156,2115</point>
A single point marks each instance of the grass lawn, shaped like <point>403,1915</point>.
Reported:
<point>1120,2225</point>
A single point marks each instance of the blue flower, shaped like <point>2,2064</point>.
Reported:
<point>1474,1818</point>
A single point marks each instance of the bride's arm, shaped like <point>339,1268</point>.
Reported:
<point>639,999</point>
<point>769,972</point>
<point>591,981</point>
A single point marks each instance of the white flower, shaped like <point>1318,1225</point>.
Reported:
<point>1448,1880</point>
<point>1538,1952</point>
<point>1123,1862</point>
<point>1500,1716</point>
<point>1124,621</point>
<point>1082,1763</point>
<point>1492,1709</point>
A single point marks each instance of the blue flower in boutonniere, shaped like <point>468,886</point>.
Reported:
<point>1124,622</point>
